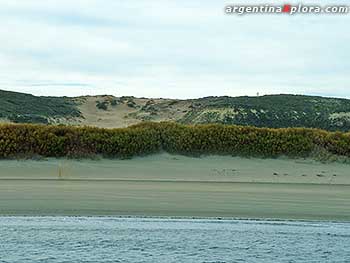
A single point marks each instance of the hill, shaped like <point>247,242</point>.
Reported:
<point>26,108</point>
<point>276,111</point>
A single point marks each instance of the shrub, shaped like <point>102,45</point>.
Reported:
<point>102,105</point>
<point>114,102</point>
<point>131,104</point>
<point>28,118</point>
<point>18,140</point>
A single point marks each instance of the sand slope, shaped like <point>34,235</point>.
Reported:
<point>123,115</point>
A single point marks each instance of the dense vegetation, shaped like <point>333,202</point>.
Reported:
<point>62,141</point>
<point>26,108</point>
<point>274,111</point>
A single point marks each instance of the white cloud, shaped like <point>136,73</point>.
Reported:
<point>168,49</point>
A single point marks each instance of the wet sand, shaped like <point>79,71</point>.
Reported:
<point>167,185</point>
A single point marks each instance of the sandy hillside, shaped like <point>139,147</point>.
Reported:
<point>125,111</point>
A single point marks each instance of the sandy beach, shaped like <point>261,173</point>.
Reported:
<point>173,185</point>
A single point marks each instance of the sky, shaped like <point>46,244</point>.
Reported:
<point>170,48</point>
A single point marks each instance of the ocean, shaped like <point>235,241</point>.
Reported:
<point>114,239</point>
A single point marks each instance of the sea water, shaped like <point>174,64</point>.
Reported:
<point>110,239</point>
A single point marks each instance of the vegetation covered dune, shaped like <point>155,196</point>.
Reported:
<point>25,140</point>
<point>107,111</point>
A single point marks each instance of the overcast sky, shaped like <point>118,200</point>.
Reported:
<point>175,48</point>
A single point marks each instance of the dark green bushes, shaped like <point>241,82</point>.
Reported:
<point>28,118</point>
<point>58,141</point>
<point>20,107</point>
<point>236,140</point>
<point>146,138</point>
<point>102,105</point>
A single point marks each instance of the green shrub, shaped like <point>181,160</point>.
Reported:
<point>102,105</point>
<point>131,104</point>
<point>28,118</point>
<point>114,102</point>
<point>18,140</point>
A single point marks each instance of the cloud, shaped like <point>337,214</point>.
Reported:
<point>169,49</point>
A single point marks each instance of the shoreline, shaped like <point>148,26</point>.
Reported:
<point>184,218</point>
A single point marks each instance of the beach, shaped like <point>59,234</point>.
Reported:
<point>177,186</point>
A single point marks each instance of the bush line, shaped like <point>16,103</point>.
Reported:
<point>26,140</point>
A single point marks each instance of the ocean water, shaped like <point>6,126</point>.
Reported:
<point>109,239</point>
